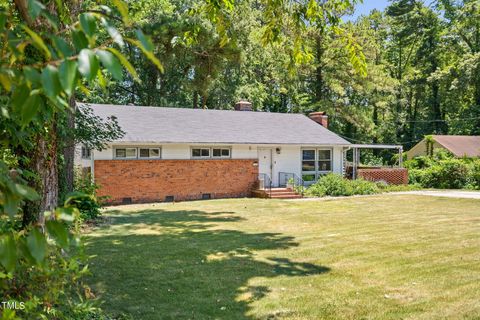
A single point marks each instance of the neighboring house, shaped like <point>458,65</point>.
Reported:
<point>179,154</point>
<point>459,146</point>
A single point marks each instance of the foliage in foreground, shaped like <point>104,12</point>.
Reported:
<point>443,171</point>
<point>48,53</point>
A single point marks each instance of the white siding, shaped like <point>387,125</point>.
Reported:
<point>175,151</point>
<point>287,160</point>
<point>243,151</point>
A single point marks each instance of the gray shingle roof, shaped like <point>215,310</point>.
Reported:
<point>177,125</point>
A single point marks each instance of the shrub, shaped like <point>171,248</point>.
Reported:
<point>384,187</point>
<point>361,186</point>
<point>335,185</point>
<point>331,185</point>
<point>88,205</point>
<point>475,174</point>
<point>443,171</point>
<point>446,174</point>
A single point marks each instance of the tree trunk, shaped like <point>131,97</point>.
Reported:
<point>195,100</point>
<point>476,98</point>
<point>44,164</point>
<point>69,147</point>
<point>319,78</point>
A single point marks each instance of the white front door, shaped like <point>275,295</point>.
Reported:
<point>265,161</point>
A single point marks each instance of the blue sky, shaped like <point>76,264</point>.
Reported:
<point>367,6</point>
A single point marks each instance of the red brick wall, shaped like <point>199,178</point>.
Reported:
<point>389,175</point>
<point>153,180</point>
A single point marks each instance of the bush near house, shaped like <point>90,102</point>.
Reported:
<point>335,185</point>
<point>89,205</point>
<point>443,171</point>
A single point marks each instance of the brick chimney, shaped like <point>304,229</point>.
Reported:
<point>243,105</point>
<point>319,117</point>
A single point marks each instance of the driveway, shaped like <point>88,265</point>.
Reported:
<point>434,193</point>
<point>444,193</point>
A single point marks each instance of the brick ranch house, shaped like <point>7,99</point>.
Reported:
<point>174,154</point>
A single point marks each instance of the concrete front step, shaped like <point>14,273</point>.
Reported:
<point>284,193</point>
<point>286,196</point>
<point>277,193</point>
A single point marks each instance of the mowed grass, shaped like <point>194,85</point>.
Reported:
<point>381,257</point>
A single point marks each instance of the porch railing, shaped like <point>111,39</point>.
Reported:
<point>291,179</point>
<point>265,183</point>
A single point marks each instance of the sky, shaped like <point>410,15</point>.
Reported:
<point>367,6</point>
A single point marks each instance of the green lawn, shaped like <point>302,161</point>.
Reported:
<point>382,257</point>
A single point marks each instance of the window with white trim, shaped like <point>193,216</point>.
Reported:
<point>221,152</point>
<point>86,153</point>
<point>137,153</point>
<point>213,152</point>
<point>199,153</point>
<point>126,153</point>
<point>315,163</point>
<point>149,153</point>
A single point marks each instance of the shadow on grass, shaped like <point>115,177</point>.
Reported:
<point>158,264</point>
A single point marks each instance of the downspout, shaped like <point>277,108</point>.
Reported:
<point>92,165</point>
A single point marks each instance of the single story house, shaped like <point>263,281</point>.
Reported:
<point>459,146</point>
<point>172,154</point>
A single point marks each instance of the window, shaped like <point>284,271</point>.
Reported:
<point>201,153</point>
<point>308,160</point>
<point>221,153</point>
<point>324,160</point>
<point>138,153</point>
<point>86,153</point>
<point>145,153</point>
<point>126,153</point>
<point>315,162</point>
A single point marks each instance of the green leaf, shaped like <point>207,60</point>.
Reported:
<point>62,46</point>
<point>8,252</point>
<point>3,21</point>
<point>88,24</point>
<point>123,9</point>
<point>79,40</point>
<point>37,245</point>
<point>50,81</point>
<point>20,95</point>
<point>68,76</point>
<point>111,63</point>
<point>149,54</point>
<point>125,63</point>
<point>114,34</point>
<point>66,214</point>
<point>145,40</point>
<point>25,191</point>
<point>73,197</point>
<point>87,64</point>
<point>5,82</point>
<point>37,41</point>
<point>35,8</point>
<point>32,75</point>
<point>29,109</point>
<point>59,232</point>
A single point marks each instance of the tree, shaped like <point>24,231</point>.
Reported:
<point>47,53</point>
